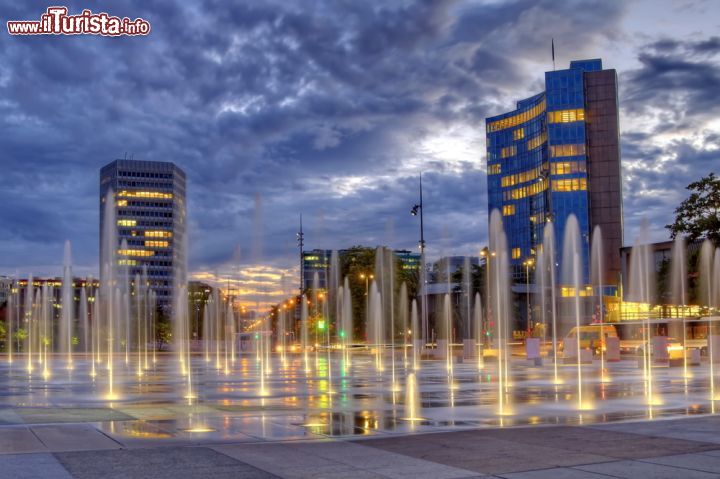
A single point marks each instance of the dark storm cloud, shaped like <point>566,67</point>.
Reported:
<point>317,107</point>
<point>671,97</point>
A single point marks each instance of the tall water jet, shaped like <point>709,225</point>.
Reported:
<point>705,287</point>
<point>68,306</point>
<point>95,335</point>
<point>206,332</point>
<point>45,329</point>
<point>403,310</point>
<point>347,322</point>
<point>304,332</point>
<point>416,335</point>
<point>376,326</point>
<point>596,271</point>
<point>445,332</point>
<point>499,274</point>
<point>28,320</point>
<point>467,288</point>
<point>412,399</point>
<point>11,314</point>
<point>678,278</point>
<point>84,319</point>
<point>478,322</point>
<point>550,262</point>
<point>572,278</point>
<point>640,286</point>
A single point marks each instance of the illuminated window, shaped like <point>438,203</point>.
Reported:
<point>516,253</point>
<point>122,203</point>
<point>156,244</point>
<point>566,116</point>
<point>508,151</point>
<point>135,252</point>
<point>536,141</point>
<point>494,169</point>
<point>522,177</point>
<point>524,191</point>
<point>567,150</point>
<point>519,134</point>
<point>515,120</point>
<point>127,262</point>
<point>508,210</point>
<point>567,167</point>
<point>569,292</point>
<point>127,223</point>
<point>573,184</point>
<point>158,234</point>
<point>144,194</point>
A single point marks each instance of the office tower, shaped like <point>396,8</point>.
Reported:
<point>557,154</point>
<point>150,211</point>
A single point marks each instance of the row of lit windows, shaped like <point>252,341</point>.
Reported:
<point>494,169</point>
<point>127,262</point>
<point>144,194</point>
<point>567,150</point>
<point>157,244</point>
<point>508,210</point>
<point>567,167</point>
<point>522,177</point>
<point>508,151</point>
<point>515,120</point>
<point>158,234</point>
<point>524,191</point>
<point>135,252</point>
<point>126,222</point>
<point>519,134</point>
<point>566,116</point>
<point>569,292</point>
<point>536,141</point>
<point>574,184</point>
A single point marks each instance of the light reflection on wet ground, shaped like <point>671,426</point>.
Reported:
<point>355,402</point>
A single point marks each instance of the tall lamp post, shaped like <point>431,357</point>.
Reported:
<point>418,208</point>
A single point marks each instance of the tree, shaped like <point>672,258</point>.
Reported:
<point>698,217</point>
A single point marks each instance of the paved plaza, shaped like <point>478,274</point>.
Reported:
<point>333,424</point>
<point>668,448</point>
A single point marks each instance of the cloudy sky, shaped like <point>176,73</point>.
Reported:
<point>330,109</point>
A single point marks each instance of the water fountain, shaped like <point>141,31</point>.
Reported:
<point>109,333</point>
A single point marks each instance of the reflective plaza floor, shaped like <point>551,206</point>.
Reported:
<point>234,405</point>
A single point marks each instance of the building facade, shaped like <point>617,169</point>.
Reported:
<point>150,211</point>
<point>557,154</point>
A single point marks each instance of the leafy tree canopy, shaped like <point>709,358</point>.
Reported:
<point>698,217</point>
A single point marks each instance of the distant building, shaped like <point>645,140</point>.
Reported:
<point>5,288</point>
<point>317,261</point>
<point>557,154</point>
<point>150,211</point>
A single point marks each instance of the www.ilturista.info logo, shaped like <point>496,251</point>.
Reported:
<point>56,21</point>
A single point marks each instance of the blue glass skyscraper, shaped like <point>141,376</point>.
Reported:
<point>555,155</point>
